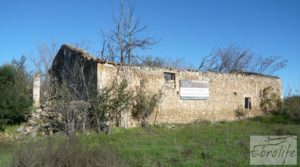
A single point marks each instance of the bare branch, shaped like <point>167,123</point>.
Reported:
<point>125,39</point>
<point>235,59</point>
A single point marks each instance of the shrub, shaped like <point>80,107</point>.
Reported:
<point>291,106</point>
<point>105,108</point>
<point>121,101</point>
<point>69,152</point>
<point>240,113</point>
<point>100,109</point>
<point>109,105</point>
<point>270,101</point>
<point>144,103</point>
<point>15,100</point>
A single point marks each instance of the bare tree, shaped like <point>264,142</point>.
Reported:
<point>46,54</point>
<point>42,62</point>
<point>235,59</point>
<point>108,49</point>
<point>74,94</point>
<point>268,65</point>
<point>122,42</point>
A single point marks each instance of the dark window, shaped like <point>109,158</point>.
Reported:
<point>247,103</point>
<point>169,76</point>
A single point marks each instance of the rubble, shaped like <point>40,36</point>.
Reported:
<point>44,120</point>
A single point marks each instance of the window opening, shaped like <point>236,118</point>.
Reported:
<point>169,76</point>
<point>247,103</point>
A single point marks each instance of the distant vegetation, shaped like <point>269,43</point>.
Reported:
<point>291,108</point>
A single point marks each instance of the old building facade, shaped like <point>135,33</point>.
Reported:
<point>187,96</point>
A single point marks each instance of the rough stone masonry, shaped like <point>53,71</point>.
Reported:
<point>188,96</point>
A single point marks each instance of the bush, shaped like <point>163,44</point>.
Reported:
<point>112,101</point>
<point>100,108</point>
<point>15,101</point>
<point>291,106</point>
<point>270,101</point>
<point>144,104</point>
<point>287,112</point>
<point>69,152</point>
<point>121,101</point>
<point>109,104</point>
<point>106,108</point>
<point>240,113</point>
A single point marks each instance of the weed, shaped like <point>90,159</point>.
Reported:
<point>65,153</point>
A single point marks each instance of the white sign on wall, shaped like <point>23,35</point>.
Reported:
<point>194,89</point>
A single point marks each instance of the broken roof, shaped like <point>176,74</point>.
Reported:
<point>84,54</point>
<point>87,56</point>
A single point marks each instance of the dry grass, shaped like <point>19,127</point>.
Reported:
<point>70,152</point>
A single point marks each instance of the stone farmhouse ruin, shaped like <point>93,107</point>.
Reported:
<point>187,95</point>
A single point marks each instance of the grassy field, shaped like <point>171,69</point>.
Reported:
<point>199,144</point>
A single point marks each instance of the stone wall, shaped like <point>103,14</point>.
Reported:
<point>227,92</point>
<point>75,70</point>
<point>36,91</point>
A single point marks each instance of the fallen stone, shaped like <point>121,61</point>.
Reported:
<point>32,122</point>
<point>34,134</point>
<point>38,110</point>
<point>46,109</point>
<point>28,129</point>
<point>20,129</point>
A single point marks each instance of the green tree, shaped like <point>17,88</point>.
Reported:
<point>15,101</point>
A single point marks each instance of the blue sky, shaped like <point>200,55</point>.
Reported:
<point>187,29</point>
